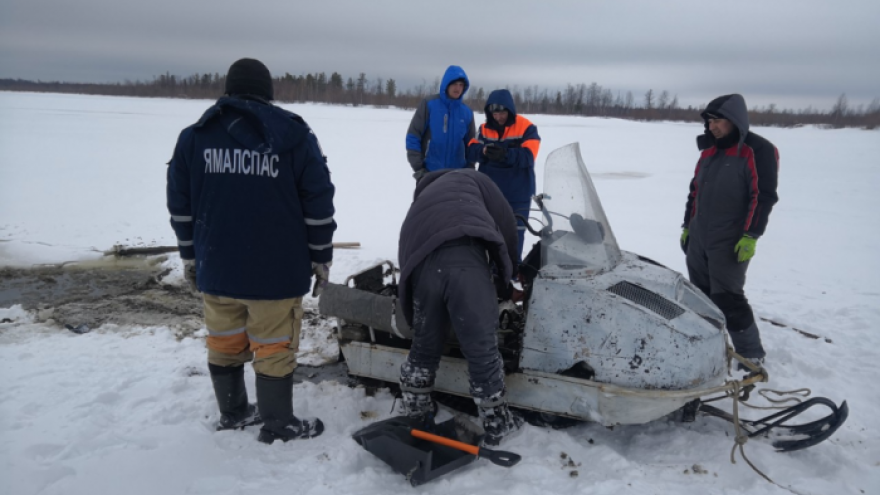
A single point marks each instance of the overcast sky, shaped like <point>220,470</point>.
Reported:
<point>793,53</point>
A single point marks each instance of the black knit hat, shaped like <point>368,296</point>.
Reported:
<point>249,77</point>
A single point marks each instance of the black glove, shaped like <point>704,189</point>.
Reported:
<point>418,174</point>
<point>503,288</point>
<point>189,274</point>
<point>322,277</point>
<point>496,153</point>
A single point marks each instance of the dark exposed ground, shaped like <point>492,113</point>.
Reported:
<point>118,291</point>
<point>122,291</point>
<point>126,292</point>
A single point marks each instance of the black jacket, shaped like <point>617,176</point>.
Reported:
<point>734,186</point>
<point>251,200</point>
<point>449,204</point>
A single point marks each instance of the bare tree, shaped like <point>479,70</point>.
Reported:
<point>839,110</point>
<point>840,107</point>
<point>649,100</point>
<point>663,101</point>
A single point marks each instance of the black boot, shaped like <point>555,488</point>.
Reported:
<point>275,399</point>
<point>416,385</point>
<point>231,393</point>
<point>498,420</point>
<point>747,343</point>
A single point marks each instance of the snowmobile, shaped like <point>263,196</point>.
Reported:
<point>603,335</point>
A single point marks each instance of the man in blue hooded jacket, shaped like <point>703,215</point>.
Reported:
<point>442,127</point>
<point>251,204</point>
<point>506,148</point>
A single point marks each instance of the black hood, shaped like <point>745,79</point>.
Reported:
<point>256,124</point>
<point>730,107</point>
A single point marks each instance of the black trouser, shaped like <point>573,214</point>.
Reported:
<point>715,270</point>
<point>712,266</point>
<point>453,286</point>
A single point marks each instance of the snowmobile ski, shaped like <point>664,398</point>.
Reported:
<point>788,438</point>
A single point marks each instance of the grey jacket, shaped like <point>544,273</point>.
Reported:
<point>449,204</point>
<point>734,186</point>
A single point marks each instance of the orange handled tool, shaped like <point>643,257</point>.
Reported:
<point>498,457</point>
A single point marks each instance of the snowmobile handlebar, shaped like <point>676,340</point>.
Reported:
<point>525,222</point>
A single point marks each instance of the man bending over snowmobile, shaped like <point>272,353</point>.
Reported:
<point>457,223</point>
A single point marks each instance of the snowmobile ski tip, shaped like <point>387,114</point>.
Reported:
<point>794,437</point>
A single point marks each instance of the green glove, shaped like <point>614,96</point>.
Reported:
<point>745,248</point>
<point>684,240</point>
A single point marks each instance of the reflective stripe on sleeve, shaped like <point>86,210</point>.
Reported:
<point>184,243</point>
<point>320,247</point>
<point>182,218</point>
<point>323,221</point>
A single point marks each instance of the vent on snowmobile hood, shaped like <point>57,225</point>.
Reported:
<point>648,299</point>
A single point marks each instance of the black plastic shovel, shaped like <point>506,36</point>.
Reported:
<point>423,456</point>
<point>499,457</point>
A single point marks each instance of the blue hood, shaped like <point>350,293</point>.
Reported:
<point>256,125</point>
<point>453,72</point>
<point>501,97</point>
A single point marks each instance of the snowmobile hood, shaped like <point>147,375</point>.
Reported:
<point>504,98</point>
<point>256,124</point>
<point>731,107</point>
<point>453,73</point>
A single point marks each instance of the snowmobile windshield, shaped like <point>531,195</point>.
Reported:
<point>577,240</point>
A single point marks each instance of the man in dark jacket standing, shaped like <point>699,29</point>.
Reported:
<point>731,196</point>
<point>506,149</point>
<point>441,128</point>
<point>251,204</point>
<point>458,221</point>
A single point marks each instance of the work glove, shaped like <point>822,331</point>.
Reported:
<point>496,153</point>
<point>417,175</point>
<point>745,248</point>
<point>322,277</point>
<point>684,239</point>
<point>189,273</point>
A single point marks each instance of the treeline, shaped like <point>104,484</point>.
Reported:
<point>579,99</point>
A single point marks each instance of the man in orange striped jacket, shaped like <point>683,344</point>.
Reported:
<point>506,148</point>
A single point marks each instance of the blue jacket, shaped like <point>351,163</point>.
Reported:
<point>441,128</point>
<point>515,176</point>
<point>251,200</point>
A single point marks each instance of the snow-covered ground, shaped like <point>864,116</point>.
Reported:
<point>127,409</point>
